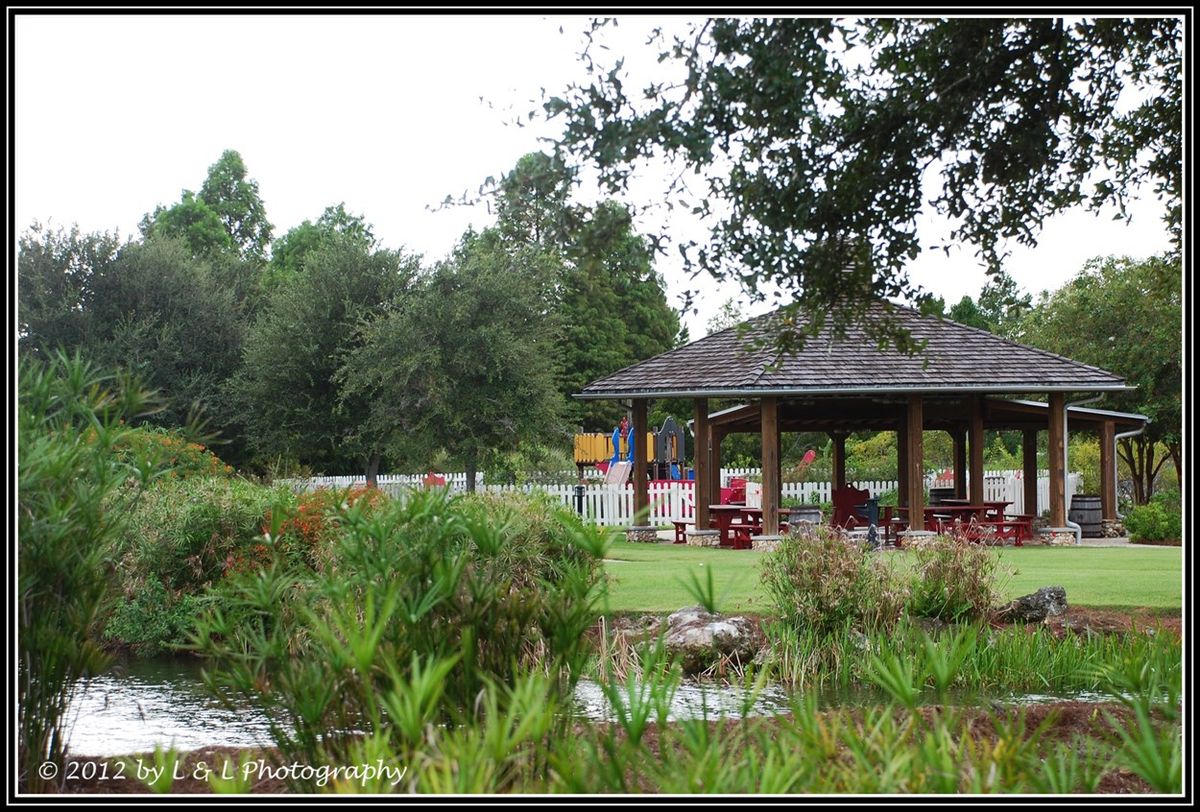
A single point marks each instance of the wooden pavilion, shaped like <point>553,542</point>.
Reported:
<point>964,383</point>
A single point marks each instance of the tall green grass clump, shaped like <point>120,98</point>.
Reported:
<point>953,581</point>
<point>73,493</point>
<point>821,581</point>
<point>438,625</point>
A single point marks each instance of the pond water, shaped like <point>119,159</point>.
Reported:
<point>147,703</point>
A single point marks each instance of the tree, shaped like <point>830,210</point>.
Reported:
<point>288,252</point>
<point>728,315</point>
<point>967,312</point>
<point>815,139</point>
<point>465,362</point>
<point>165,315</point>
<point>1002,304</point>
<point>290,402</point>
<point>1124,315</point>
<point>611,308</point>
<point>55,273</point>
<point>227,216</point>
<point>235,199</point>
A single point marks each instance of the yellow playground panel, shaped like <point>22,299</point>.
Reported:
<point>593,448</point>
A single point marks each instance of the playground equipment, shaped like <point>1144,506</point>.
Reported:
<point>614,454</point>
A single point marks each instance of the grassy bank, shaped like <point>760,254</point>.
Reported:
<point>650,578</point>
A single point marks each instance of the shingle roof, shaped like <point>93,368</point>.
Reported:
<point>956,358</point>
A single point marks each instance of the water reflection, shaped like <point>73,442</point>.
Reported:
<point>145,704</point>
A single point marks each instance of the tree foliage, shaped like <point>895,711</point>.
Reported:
<point>465,362</point>
<point>55,273</point>
<point>1124,315</point>
<point>611,306</point>
<point>816,140</point>
<point>288,252</point>
<point>150,307</point>
<point>226,217</point>
<point>290,403</point>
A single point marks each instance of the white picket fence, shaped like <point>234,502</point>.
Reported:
<point>612,505</point>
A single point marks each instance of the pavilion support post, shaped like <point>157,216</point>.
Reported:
<point>1058,474</point>
<point>770,466</point>
<point>916,461</point>
<point>902,465</point>
<point>715,465</point>
<point>702,482</point>
<point>975,478</point>
<point>839,460</point>
<point>1029,472</point>
<point>1108,472</point>
<point>959,437</point>
<point>641,461</point>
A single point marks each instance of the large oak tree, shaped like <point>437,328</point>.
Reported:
<point>817,141</point>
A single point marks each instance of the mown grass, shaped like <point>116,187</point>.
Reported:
<point>651,577</point>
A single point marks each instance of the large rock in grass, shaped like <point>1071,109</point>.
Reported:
<point>701,640</point>
<point>1046,602</point>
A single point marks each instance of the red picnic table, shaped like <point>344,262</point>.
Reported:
<point>721,518</point>
<point>972,520</point>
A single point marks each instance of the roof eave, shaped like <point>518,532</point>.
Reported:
<point>1007,389</point>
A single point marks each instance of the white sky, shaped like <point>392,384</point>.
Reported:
<point>115,114</point>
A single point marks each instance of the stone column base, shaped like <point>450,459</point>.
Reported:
<point>765,544</point>
<point>642,535</point>
<point>1112,529</point>
<point>704,538</point>
<point>916,539</point>
<point>1058,537</point>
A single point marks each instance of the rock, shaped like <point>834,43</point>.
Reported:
<point>700,640</point>
<point>1046,602</point>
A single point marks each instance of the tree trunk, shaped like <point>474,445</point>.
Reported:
<point>373,471</point>
<point>471,465</point>
<point>1138,455</point>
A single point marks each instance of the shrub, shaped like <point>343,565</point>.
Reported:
<point>178,457</point>
<point>189,533</point>
<point>821,581</point>
<point>305,531</point>
<point>153,620</point>
<point>953,581</point>
<point>72,496</point>
<point>1161,519</point>
<point>429,604</point>
<point>182,537</point>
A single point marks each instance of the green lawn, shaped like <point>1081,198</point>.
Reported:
<point>650,577</point>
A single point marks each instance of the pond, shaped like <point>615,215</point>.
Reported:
<point>146,703</point>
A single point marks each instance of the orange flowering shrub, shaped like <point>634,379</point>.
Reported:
<point>308,529</point>
<point>170,450</point>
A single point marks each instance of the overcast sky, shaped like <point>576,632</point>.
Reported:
<point>115,114</point>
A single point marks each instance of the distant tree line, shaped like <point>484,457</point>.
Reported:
<point>324,349</point>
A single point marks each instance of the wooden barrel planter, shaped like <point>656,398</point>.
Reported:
<point>1085,512</point>
<point>936,495</point>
